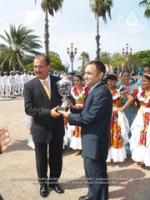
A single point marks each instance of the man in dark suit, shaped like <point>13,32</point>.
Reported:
<point>47,123</point>
<point>95,122</point>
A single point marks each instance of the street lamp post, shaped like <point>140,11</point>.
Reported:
<point>72,54</point>
<point>67,66</point>
<point>126,54</point>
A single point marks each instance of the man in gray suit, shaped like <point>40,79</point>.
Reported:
<point>95,122</point>
<point>41,102</point>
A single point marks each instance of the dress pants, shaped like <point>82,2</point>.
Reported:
<point>54,160</point>
<point>96,174</point>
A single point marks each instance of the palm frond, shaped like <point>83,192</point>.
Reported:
<point>147,11</point>
<point>144,2</point>
<point>19,45</point>
<point>101,7</point>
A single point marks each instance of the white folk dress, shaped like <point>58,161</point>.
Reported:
<point>140,129</point>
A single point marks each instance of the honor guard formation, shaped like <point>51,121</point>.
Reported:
<point>12,83</point>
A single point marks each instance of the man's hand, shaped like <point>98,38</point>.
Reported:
<point>65,114</point>
<point>4,139</point>
<point>54,112</point>
<point>69,103</point>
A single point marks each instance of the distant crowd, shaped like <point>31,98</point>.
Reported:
<point>12,84</point>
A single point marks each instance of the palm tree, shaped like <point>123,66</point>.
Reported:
<point>100,8</point>
<point>84,57</point>
<point>20,47</point>
<point>147,4</point>
<point>49,7</point>
<point>105,57</point>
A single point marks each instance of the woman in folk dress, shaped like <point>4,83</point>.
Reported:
<point>132,109</point>
<point>119,123</point>
<point>78,92</point>
<point>140,129</point>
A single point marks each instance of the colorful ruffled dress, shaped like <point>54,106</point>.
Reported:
<point>130,111</point>
<point>74,132</point>
<point>119,128</point>
<point>140,129</point>
<point>130,114</point>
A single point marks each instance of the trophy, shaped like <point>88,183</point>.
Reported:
<point>64,87</point>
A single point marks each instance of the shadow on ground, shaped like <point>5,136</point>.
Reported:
<point>126,182</point>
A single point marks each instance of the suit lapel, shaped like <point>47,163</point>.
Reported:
<point>52,86</point>
<point>41,88</point>
<point>88,97</point>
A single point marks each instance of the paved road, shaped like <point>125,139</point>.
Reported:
<point>18,173</point>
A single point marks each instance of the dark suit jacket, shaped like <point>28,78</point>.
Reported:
<point>95,122</point>
<point>38,105</point>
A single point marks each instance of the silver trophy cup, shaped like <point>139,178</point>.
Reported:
<point>64,87</point>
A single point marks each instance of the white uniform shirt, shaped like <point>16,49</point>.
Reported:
<point>1,80</point>
<point>25,78</point>
<point>11,80</point>
<point>32,77</point>
<point>5,80</point>
<point>18,79</point>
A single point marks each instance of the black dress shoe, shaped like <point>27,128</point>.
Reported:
<point>43,190</point>
<point>57,188</point>
<point>85,198</point>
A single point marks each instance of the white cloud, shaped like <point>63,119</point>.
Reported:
<point>30,17</point>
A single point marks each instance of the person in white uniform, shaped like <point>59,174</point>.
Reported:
<point>11,84</point>
<point>21,76</point>
<point>5,84</point>
<point>32,75</point>
<point>18,84</point>
<point>1,85</point>
<point>24,78</point>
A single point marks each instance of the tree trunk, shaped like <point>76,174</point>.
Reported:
<point>97,40</point>
<point>13,66</point>
<point>46,36</point>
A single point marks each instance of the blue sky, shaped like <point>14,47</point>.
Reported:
<point>76,24</point>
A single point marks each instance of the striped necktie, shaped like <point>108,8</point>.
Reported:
<point>45,85</point>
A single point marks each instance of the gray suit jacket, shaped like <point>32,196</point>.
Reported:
<point>95,122</point>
